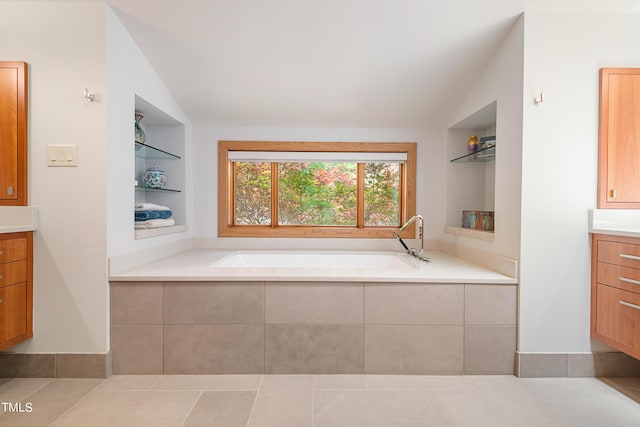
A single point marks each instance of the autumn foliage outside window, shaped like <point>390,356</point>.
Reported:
<point>314,198</point>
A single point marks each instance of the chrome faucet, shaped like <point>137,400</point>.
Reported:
<point>414,252</point>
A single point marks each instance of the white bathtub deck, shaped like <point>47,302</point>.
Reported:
<point>200,265</point>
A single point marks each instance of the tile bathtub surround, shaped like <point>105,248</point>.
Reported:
<point>214,349</point>
<point>316,302</point>
<point>311,327</point>
<point>323,401</point>
<point>314,349</point>
<point>414,304</point>
<point>204,303</point>
<point>137,349</point>
<point>413,349</point>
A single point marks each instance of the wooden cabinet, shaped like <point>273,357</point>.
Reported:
<point>13,133</point>
<point>16,288</point>
<point>615,292</point>
<point>619,147</point>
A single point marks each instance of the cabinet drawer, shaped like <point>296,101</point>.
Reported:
<point>13,272</point>
<point>13,311</point>
<point>625,254</point>
<point>13,250</point>
<point>618,315</point>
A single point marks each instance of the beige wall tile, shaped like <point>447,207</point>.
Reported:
<point>612,364</point>
<point>418,349</point>
<point>202,303</point>
<point>414,304</point>
<point>318,349</point>
<point>16,365</point>
<point>214,349</point>
<point>538,365</point>
<point>81,366</point>
<point>490,305</point>
<point>137,349</point>
<point>489,350</point>
<point>136,303</point>
<point>314,302</point>
<point>382,350</point>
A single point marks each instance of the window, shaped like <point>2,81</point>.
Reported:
<point>300,189</point>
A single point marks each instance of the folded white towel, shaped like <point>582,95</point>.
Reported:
<point>154,223</point>
<point>150,207</point>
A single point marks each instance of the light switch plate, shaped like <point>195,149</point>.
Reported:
<point>62,155</point>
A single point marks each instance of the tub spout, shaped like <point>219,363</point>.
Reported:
<point>418,254</point>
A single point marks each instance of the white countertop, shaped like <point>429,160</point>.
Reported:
<point>196,265</point>
<point>14,219</point>
<point>617,222</point>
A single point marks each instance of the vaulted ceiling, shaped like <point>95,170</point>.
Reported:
<point>325,63</point>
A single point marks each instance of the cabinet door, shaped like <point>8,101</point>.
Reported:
<point>13,133</point>
<point>13,311</point>
<point>619,174</point>
<point>618,318</point>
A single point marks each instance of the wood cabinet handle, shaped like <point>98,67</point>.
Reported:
<point>1,277</point>
<point>633,257</point>
<point>612,194</point>
<point>0,301</point>
<point>628,304</point>
<point>634,282</point>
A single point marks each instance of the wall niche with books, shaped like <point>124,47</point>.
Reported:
<point>470,188</point>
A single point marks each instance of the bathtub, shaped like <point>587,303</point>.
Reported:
<point>313,312</point>
<point>317,260</point>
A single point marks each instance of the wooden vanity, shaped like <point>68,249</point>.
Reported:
<point>16,288</point>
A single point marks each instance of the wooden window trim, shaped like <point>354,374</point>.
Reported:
<point>226,228</point>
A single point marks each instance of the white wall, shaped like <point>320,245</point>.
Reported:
<point>64,45</point>
<point>429,171</point>
<point>563,53</point>
<point>129,74</point>
<point>500,80</point>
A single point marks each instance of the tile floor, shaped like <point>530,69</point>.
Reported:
<point>321,401</point>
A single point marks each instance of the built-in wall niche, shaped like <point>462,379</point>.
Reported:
<point>470,178</point>
<point>164,146</point>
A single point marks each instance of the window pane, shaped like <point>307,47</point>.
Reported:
<point>252,193</point>
<point>317,193</point>
<point>382,194</point>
